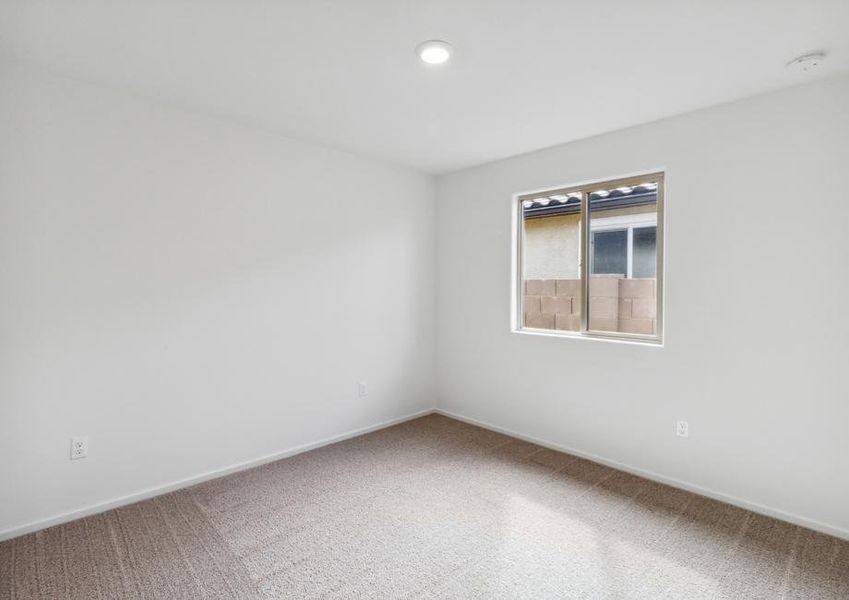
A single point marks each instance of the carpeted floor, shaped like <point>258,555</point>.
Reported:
<point>432,508</point>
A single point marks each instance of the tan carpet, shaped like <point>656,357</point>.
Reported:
<point>432,508</point>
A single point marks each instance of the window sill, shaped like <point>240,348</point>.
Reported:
<point>598,337</point>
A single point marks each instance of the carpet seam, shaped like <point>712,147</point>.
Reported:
<point>205,547</point>
<point>128,555</point>
<point>791,559</point>
<point>12,587</point>
<point>98,578</point>
<point>65,579</point>
<point>179,546</point>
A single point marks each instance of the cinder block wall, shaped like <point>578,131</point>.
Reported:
<point>616,304</point>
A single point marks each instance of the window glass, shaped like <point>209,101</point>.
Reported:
<point>593,248</point>
<point>622,282</point>
<point>610,252</point>
<point>551,262</point>
<point>645,252</point>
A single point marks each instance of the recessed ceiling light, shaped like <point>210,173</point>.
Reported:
<point>806,63</point>
<point>434,52</point>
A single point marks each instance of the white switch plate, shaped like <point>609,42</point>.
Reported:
<point>682,429</point>
<point>362,389</point>
<point>79,447</point>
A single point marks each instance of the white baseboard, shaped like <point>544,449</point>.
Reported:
<point>690,487</point>
<point>184,483</point>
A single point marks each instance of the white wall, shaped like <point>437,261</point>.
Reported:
<point>190,293</point>
<point>757,319</point>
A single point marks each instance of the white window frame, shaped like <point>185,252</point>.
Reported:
<point>585,189</point>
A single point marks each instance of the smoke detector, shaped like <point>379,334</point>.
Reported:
<point>807,63</point>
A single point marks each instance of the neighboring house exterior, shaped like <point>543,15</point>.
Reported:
<point>623,226</point>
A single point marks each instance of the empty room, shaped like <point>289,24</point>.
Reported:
<point>424,299</point>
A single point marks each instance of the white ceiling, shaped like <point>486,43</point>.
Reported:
<point>527,73</point>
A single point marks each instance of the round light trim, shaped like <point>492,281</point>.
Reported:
<point>434,52</point>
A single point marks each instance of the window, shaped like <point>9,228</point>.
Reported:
<point>617,292</point>
<point>610,249</point>
<point>625,245</point>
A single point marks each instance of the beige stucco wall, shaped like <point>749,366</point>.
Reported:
<point>552,244</point>
<point>551,249</point>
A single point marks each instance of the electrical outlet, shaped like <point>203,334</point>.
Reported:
<point>682,429</point>
<point>362,389</point>
<point>79,447</point>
